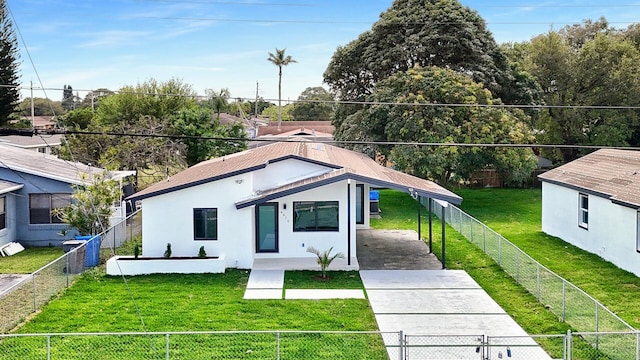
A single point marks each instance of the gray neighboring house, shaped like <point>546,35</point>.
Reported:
<point>43,143</point>
<point>32,184</point>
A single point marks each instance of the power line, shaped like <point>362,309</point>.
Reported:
<point>345,142</point>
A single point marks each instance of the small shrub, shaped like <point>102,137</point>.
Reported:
<point>324,258</point>
<point>136,251</point>
<point>167,253</point>
<point>201,252</point>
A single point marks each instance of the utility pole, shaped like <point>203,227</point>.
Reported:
<point>33,109</point>
<point>256,104</point>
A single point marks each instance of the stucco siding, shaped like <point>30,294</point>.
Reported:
<point>168,218</point>
<point>611,231</point>
<point>285,172</point>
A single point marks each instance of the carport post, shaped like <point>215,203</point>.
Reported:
<point>349,222</point>
<point>430,226</point>
<point>443,234</point>
<point>419,218</point>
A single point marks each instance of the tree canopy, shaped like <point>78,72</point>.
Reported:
<point>585,65</point>
<point>393,120</point>
<point>9,76</point>
<point>314,103</point>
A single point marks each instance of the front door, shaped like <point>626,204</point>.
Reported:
<point>267,227</point>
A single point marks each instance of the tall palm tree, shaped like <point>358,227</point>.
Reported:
<point>279,59</point>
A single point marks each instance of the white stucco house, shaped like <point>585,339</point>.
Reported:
<point>593,203</point>
<point>271,202</point>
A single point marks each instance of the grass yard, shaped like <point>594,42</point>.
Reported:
<point>516,214</point>
<point>29,260</point>
<point>208,302</point>
<point>399,211</point>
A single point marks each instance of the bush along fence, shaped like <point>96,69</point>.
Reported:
<point>571,304</point>
<point>38,288</point>
<point>317,345</point>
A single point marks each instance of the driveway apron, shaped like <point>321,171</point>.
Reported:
<point>440,303</point>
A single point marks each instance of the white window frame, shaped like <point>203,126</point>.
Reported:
<point>583,211</point>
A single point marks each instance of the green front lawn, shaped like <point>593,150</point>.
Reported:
<point>29,260</point>
<point>206,302</point>
<point>517,215</point>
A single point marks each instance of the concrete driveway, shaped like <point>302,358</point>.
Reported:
<point>394,250</point>
<point>446,306</point>
<point>8,280</point>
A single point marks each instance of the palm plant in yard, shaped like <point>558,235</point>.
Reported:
<point>324,258</point>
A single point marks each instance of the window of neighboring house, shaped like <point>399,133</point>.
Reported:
<point>315,216</point>
<point>583,211</point>
<point>3,212</point>
<point>360,204</point>
<point>42,205</point>
<point>205,224</point>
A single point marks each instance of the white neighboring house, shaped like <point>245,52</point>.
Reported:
<point>271,202</point>
<point>593,203</point>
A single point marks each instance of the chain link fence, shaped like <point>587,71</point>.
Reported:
<point>34,291</point>
<point>199,345</point>
<point>334,345</point>
<point>567,301</point>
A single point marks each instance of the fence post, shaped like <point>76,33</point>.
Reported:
<point>66,269</point>
<point>35,300</point>
<point>484,238</point>
<point>166,346</point>
<point>597,325</point>
<point>569,345</point>
<point>48,347</point>
<point>500,250</point>
<point>401,347</point>
<point>564,299</point>
<point>538,280</point>
<point>637,345</point>
<point>518,266</point>
<point>277,345</point>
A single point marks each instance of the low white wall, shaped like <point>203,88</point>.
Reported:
<point>143,266</point>
<point>611,232</point>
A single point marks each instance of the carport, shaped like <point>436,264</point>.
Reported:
<point>394,250</point>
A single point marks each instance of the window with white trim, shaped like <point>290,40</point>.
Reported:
<point>41,207</point>
<point>3,212</point>
<point>205,224</point>
<point>315,216</point>
<point>583,211</point>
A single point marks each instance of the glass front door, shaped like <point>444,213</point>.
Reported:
<point>267,227</point>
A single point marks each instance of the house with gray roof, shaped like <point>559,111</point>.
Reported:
<point>270,202</point>
<point>32,184</point>
<point>593,203</point>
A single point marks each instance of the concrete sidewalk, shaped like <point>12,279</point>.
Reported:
<point>269,284</point>
<point>440,303</point>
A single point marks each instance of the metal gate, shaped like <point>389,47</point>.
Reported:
<point>444,347</point>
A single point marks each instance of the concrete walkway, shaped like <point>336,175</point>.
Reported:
<point>448,304</point>
<point>9,280</point>
<point>394,250</point>
<point>269,284</point>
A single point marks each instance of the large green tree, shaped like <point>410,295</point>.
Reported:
<point>280,59</point>
<point>314,103</point>
<point>583,66</point>
<point>218,101</point>
<point>406,114</point>
<point>425,33</point>
<point>41,107</point>
<point>9,77</point>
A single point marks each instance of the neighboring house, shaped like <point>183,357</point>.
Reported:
<point>40,143</point>
<point>31,186</point>
<point>593,203</point>
<point>324,127</point>
<point>296,134</point>
<point>271,202</point>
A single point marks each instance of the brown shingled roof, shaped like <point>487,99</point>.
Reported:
<point>346,164</point>
<point>611,173</point>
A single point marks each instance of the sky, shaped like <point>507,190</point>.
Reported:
<point>215,44</point>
